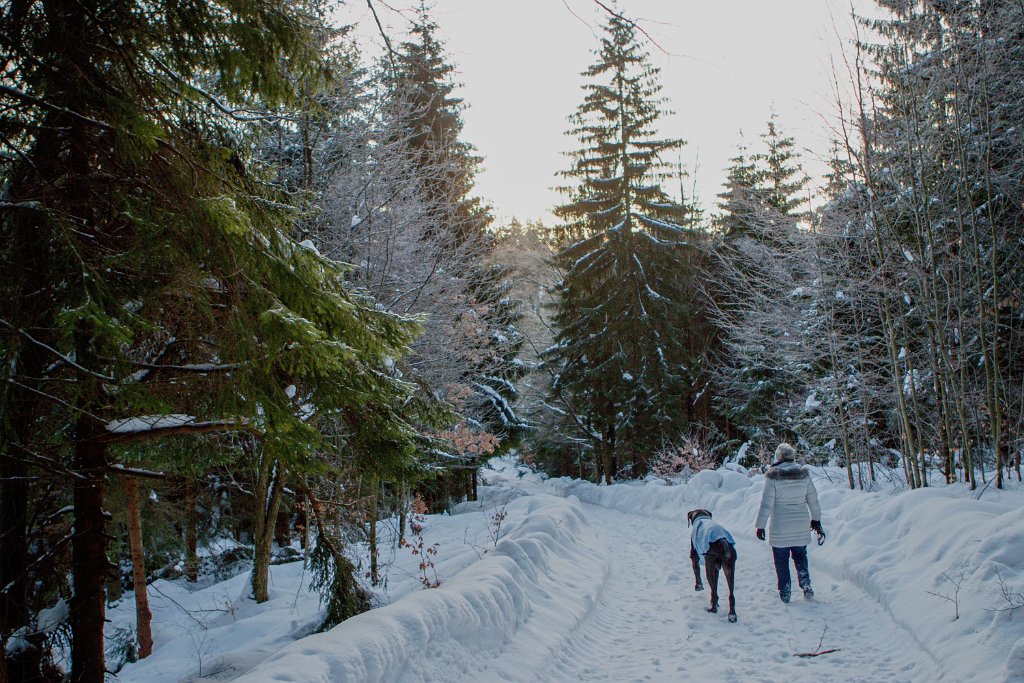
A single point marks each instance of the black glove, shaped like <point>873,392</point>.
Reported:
<point>760,534</point>
<point>699,586</point>
<point>816,525</point>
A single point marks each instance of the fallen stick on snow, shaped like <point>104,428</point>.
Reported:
<point>816,654</point>
<point>818,651</point>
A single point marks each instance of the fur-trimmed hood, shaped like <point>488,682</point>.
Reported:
<point>788,471</point>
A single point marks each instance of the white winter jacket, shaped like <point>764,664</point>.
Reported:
<point>791,501</point>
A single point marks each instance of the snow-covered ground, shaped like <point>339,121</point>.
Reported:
<point>591,582</point>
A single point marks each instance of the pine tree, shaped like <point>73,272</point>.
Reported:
<point>620,351</point>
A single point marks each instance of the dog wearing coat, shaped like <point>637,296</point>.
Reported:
<point>712,545</point>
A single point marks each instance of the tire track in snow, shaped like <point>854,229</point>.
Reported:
<point>648,623</point>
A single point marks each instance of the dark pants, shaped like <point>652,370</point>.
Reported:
<point>803,574</point>
<point>721,555</point>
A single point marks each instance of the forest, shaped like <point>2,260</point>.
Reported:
<point>251,292</point>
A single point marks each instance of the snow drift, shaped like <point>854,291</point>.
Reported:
<point>449,632</point>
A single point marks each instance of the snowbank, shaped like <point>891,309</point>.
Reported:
<point>219,630</point>
<point>542,577</point>
<point>936,558</point>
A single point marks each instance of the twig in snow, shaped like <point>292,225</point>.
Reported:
<point>955,597</point>
<point>1014,600</point>
<point>818,651</point>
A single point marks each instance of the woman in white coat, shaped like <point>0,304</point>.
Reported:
<point>790,502</point>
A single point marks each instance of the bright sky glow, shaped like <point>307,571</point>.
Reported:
<point>725,64</point>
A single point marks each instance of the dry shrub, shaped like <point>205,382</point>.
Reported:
<point>685,458</point>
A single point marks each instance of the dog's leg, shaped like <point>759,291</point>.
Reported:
<point>711,563</point>
<point>730,574</point>
<point>695,561</point>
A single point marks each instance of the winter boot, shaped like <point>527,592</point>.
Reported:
<point>714,607</point>
<point>808,592</point>
<point>784,595</point>
<point>732,617</point>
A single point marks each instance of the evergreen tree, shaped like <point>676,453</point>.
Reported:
<point>431,119</point>
<point>500,368</point>
<point>738,199</point>
<point>780,181</point>
<point>759,229</point>
<point>621,350</point>
<point>158,291</point>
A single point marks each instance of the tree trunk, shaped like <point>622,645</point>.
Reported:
<point>282,529</point>
<point>89,563</point>
<point>303,525</point>
<point>608,464</point>
<point>14,539</point>
<point>403,512</point>
<point>611,467</point>
<point>14,521</point>
<point>143,615</point>
<point>374,505</point>
<point>268,491</point>
<point>191,556</point>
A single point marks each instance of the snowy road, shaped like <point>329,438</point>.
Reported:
<point>650,625</point>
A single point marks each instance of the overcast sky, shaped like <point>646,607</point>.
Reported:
<point>724,65</point>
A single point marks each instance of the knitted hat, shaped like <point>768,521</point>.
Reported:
<point>785,452</point>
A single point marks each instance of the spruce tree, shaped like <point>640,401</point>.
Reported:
<point>432,123</point>
<point>621,351</point>
<point>780,180</point>
<point>500,368</point>
<point>738,199</point>
<point>760,211</point>
<point>433,117</point>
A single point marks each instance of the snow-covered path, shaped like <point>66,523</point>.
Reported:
<point>650,625</point>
